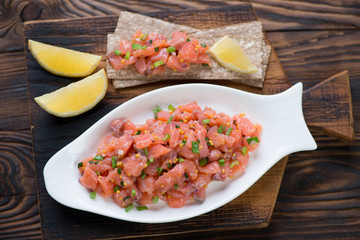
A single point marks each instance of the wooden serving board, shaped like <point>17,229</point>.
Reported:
<point>252,209</point>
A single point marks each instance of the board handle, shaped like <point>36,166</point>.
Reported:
<point>327,107</point>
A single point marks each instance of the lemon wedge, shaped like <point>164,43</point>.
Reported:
<point>75,98</point>
<point>230,55</point>
<point>63,62</point>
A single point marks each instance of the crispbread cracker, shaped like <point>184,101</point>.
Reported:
<point>248,35</point>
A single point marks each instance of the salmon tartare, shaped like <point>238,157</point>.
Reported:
<point>171,157</point>
<point>151,53</point>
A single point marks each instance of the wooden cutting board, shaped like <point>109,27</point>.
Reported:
<point>252,209</point>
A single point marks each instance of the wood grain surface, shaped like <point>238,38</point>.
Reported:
<point>320,191</point>
<point>252,209</point>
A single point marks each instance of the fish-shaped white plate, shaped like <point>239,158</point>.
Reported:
<point>284,132</point>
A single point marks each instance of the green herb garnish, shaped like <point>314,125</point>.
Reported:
<point>203,162</point>
<point>136,46</point>
<point>233,163</point>
<point>195,147</point>
<point>80,164</point>
<point>249,140</point>
<point>229,131</point>
<point>170,119</point>
<point>128,208</point>
<point>206,121</point>
<point>93,195</point>
<point>138,132</point>
<point>144,36</point>
<point>158,63</point>
<point>167,137</point>
<point>221,162</point>
<point>98,157</point>
<point>127,56</point>
<point>155,200</point>
<point>244,150</point>
<point>159,170</point>
<point>117,52</point>
<point>171,49</point>
<point>141,208</point>
<point>113,162</point>
<point>171,107</point>
<point>146,152</point>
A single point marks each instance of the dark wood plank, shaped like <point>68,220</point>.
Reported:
<point>14,111</point>
<point>19,208</point>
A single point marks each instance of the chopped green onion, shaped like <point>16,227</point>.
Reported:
<point>127,56</point>
<point>183,142</point>
<point>150,41</point>
<point>206,121</point>
<point>177,126</point>
<point>221,129</point>
<point>155,200</point>
<point>171,49</point>
<point>122,184</point>
<point>138,132</point>
<point>249,140</point>
<point>96,163</point>
<point>143,174</point>
<point>143,47</point>
<point>221,162</point>
<point>116,188</point>
<point>98,157</point>
<point>181,159</point>
<point>244,150</point>
<point>186,175</point>
<point>91,161</point>
<point>171,107</point>
<point>168,165</point>
<point>156,110</point>
<point>229,131</point>
<point>158,63</point>
<point>141,208</point>
<point>136,46</point>
<point>203,45</point>
<point>144,36</point>
<point>126,198</point>
<point>117,52</point>
<point>208,141</point>
<point>188,40</point>
<point>159,170</point>
<point>156,49</point>
<point>93,195</point>
<point>97,173</point>
<point>176,186</point>
<point>170,119</point>
<point>113,162</point>
<point>195,147</point>
<point>119,170</point>
<point>203,162</point>
<point>146,151</point>
<point>80,164</point>
<point>133,192</point>
<point>151,160</point>
<point>128,208</point>
<point>234,163</point>
<point>205,64</point>
<point>167,137</point>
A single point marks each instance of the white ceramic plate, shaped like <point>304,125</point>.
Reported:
<point>284,132</point>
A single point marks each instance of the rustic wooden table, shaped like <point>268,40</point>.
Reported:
<point>320,192</point>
